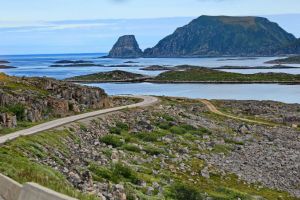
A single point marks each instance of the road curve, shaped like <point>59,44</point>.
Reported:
<point>147,101</point>
<point>213,109</point>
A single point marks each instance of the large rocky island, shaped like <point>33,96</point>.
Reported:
<point>126,47</point>
<point>216,36</point>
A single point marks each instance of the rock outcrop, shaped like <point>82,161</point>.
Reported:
<point>36,99</point>
<point>126,47</point>
<point>223,36</point>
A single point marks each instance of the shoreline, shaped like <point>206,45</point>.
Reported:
<point>185,82</point>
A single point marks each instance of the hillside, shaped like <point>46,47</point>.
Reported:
<point>174,150</point>
<point>26,101</point>
<point>223,36</point>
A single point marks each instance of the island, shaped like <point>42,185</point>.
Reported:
<point>206,75</point>
<point>76,63</point>
<point>189,74</point>
<point>288,60</point>
<point>215,36</point>
<point>257,67</point>
<point>4,62</point>
<point>112,76</point>
<point>6,67</point>
<point>157,68</point>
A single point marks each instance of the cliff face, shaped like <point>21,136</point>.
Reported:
<point>223,36</point>
<point>126,47</point>
<point>36,99</point>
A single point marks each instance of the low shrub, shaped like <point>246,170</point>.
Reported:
<point>180,191</point>
<point>113,140</point>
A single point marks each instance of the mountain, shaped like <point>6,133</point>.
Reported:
<point>126,47</point>
<point>223,36</point>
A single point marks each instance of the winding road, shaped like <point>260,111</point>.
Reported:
<point>147,101</point>
<point>213,109</point>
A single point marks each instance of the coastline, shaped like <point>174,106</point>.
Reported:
<point>184,82</point>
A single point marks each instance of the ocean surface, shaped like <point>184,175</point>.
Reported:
<point>38,65</point>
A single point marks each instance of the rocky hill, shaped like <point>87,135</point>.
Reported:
<point>36,99</point>
<point>126,47</point>
<point>174,150</point>
<point>223,36</point>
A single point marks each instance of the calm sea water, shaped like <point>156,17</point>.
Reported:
<point>38,65</point>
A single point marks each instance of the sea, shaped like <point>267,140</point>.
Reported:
<point>39,66</point>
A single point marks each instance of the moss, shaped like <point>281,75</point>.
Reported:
<point>178,130</point>
<point>113,140</point>
<point>131,147</point>
<point>149,136</point>
<point>180,191</point>
<point>118,128</point>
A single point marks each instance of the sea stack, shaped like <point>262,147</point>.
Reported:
<point>126,47</point>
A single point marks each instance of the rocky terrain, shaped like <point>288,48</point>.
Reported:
<point>126,47</point>
<point>174,150</point>
<point>38,99</point>
<point>280,113</point>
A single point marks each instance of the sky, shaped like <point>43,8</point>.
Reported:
<point>86,26</point>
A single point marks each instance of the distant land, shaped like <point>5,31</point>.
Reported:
<point>216,36</point>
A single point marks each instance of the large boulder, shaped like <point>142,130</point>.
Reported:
<point>126,47</point>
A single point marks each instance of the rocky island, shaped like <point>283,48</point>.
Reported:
<point>190,74</point>
<point>215,36</point>
<point>288,60</point>
<point>126,47</point>
<point>112,76</point>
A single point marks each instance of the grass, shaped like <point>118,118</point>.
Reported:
<point>209,75</point>
<point>117,173</point>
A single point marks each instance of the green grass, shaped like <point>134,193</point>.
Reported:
<point>117,173</point>
<point>113,140</point>
<point>205,74</point>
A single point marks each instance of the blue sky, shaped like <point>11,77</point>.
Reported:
<point>74,26</point>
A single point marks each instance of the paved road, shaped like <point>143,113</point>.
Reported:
<point>213,109</point>
<point>148,100</point>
